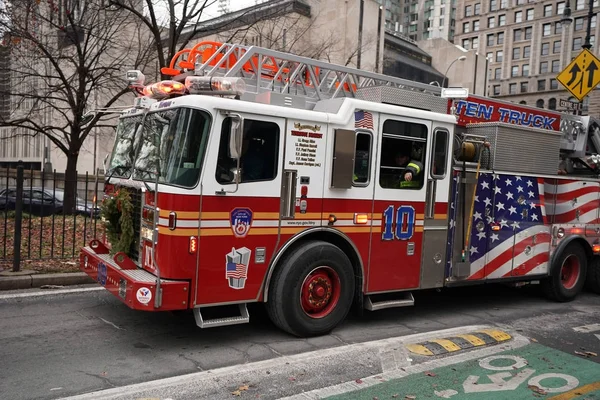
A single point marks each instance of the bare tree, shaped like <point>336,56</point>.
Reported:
<point>61,54</point>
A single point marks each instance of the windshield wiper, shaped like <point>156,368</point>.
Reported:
<point>114,169</point>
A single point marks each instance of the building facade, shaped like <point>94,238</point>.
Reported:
<point>419,20</point>
<point>527,46</point>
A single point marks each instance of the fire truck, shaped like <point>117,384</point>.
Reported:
<point>253,175</point>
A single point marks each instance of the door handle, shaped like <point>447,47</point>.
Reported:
<point>430,199</point>
<point>288,194</point>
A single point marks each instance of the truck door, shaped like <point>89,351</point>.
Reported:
<point>435,222</point>
<point>239,222</point>
<point>395,260</point>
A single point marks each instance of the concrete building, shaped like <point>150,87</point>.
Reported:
<point>420,19</point>
<point>527,46</point>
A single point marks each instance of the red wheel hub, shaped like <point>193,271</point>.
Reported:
<point>320,292</point>
<point>569,272</point>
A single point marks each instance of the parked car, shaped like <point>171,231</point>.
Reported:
<point>44,202</point>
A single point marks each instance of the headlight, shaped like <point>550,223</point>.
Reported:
<point>147,233</point>
<point>560,233</point>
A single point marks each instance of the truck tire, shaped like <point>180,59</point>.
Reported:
<point>592,282</point>
<point>312,290</point>
<point>567,275</point>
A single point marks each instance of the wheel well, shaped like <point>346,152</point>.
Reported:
<point>578,240</point>
<point>337,239</point>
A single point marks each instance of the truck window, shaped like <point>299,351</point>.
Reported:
<point>260,151</point>
<point>440,152</point>
<point>362,159</point>
<point>402,155</point>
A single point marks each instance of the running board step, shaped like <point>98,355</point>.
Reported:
<point>202,322</point>
<point>390,300</point>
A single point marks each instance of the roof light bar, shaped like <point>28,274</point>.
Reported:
<point>215,85</point>
<point>163,89</point>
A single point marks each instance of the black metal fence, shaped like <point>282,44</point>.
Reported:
<point>34,224</point>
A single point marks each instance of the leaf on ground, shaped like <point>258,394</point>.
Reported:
<point>236,393</point>
<point>410,397</point>
<point>358,381</point>
<point>244,387</point>
<point>429,373</point>
<point>534,340</point>
<point>536,389</point>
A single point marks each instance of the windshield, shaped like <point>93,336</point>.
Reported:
<point>172,144</point>
<point>125,145</point>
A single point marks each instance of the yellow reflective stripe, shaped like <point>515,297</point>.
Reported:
<point>419,349</point>
<point>446,344</point>
<point>500,336</point>
<point>474,340</point>
<point>415,166</point>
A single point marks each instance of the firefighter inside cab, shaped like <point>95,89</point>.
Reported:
<point>405,171</point>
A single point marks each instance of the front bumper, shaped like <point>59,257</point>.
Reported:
<point>132,285</point>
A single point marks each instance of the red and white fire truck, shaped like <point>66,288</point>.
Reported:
<point>260,176</point>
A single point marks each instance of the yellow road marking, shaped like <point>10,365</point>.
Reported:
<point>496,334</point>
<point>580,391</point>
<point>419,349</point>
<point>446,344</point>
<point>474,340</point>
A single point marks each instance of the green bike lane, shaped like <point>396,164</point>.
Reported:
<point>528,372</point>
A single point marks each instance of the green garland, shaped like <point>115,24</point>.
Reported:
<point>117,211</point>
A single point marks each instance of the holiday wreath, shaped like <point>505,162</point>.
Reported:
<point>117,211</point>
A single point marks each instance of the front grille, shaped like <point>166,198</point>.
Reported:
<point>136,201</point>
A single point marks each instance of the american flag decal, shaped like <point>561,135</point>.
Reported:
<point>236,270</point>
<point>363,119</point>
<point>509,236</point>
<point>571,201</point>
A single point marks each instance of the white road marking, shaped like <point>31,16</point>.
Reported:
<point>50,292</point>
<point>587,328</point>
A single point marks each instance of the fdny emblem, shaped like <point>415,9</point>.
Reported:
<point>241,219</point>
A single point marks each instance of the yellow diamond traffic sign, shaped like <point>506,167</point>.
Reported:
<point>582,75</point>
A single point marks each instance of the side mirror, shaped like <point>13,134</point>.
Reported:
<point>236,136</point>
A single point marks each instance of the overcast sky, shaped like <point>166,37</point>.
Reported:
<point>213,10</point>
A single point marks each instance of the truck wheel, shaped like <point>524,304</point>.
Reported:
<point>312,290</point>
<point>567,274</point>
<point>592,281</point>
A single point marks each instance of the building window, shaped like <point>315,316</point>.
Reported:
<point>491,22</point>
<point>490,40</point>
<point>553,84</point>
<point>516,53</point>
<point>524,87</point>
<point>475,43</point>
<point>528,33</point>
<point>493,5</point>
<point>544,67</point>
<point>475,26</point>
<point>497,73</point>
<point>548,10</point>
<point>525,70</point>
<point>530,14</point>
<point>468,11</point>
<point>555,66</point>
<point>541,85</point>
<point>556,47</point>
<point>489,56</point>
<point>580,5</point>
<point>496,90</point>
<point>466,44</point>
<point>552,104</point>
<point>577,42</point>
<point>546,29</point>
<point>503,3</point>
<point>518,17</point>
<point>514,71</point>
<point>517,35</point>
<point>512,88</point>
<point>579,24</point>
<point>499,56</point>
<point>593,24</point>
<point>526,51</point>
<point>501,20</point>
<point>500,38</point>
<point>557,28</point>
<point>545,49</point>
<point>539,103</point>
<point>466,27</point>
<point>477,8</point>
<point>560,8</point>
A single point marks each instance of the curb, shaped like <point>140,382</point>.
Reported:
<point>39,280</point>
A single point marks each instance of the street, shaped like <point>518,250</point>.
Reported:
<point>67,344</point>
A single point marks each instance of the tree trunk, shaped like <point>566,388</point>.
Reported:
<point>71,183</point>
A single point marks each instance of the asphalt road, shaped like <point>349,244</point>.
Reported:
<point>67,344</point>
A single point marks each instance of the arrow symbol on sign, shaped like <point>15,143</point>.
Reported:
<point>591,69</point>
<point>499,383</point>
<point>574,71</point>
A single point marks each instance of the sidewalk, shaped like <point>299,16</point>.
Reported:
<point>27,279</point>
